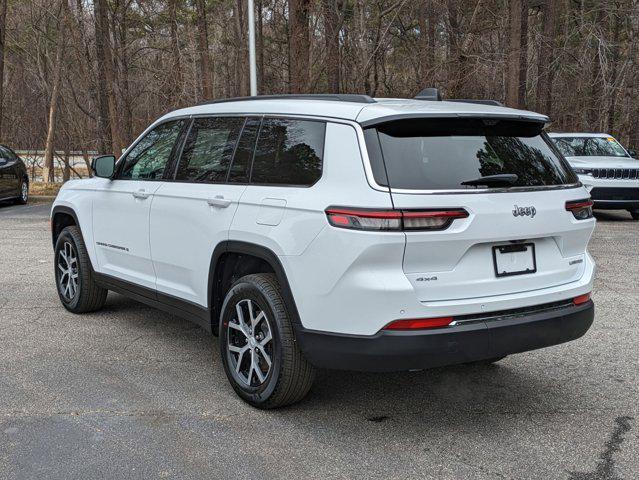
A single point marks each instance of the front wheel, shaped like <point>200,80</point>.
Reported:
<point>23,198</point>
<point>77,289</point>
<point>634,214</point>
<point>260,356</point>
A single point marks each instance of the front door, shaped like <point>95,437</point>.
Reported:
<point>121,207</point>
<point>191,214</point>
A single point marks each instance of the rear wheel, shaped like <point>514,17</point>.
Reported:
<point>634,214</point>
<point>24,193</point>
<point>77,289</point>
<point>260,356</point>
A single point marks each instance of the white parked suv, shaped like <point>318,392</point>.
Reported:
<point>337,231</point>
<point>606,169</point>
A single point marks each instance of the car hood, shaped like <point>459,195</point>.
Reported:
<point>603,162</point>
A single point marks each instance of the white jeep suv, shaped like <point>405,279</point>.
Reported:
<point>608,171</point>
<point>337,231</point>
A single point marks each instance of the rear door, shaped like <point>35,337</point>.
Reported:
<point>121,206</point>
<point>192,212</point>
<point>517,235</point>
<point>9,179</point>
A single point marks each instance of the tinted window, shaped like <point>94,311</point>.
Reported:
<point>208,149</point>
<point>241,166</point>
<point>148,159</point>
<point>589,147</point>
<point>441,154</point>
<point>289,152</point>
<point>7,153</point>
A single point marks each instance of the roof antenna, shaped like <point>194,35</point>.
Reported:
<point>429,94</point>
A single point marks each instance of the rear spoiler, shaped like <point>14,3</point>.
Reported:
<point>542,120</point>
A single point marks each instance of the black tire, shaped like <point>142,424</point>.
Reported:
<point>634,214</point>
<point>87,296</point>
<point>289,377</point>
<point>23,198</point>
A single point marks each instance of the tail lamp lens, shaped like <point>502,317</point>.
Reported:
<point>581,299</point>
<point>419,323</point>
<point>393,220</point>
<point>581,209</point>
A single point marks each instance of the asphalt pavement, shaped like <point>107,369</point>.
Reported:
<point>132,392</point>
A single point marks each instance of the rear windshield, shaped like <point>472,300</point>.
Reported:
<point>589,147</point>
<point>441,154</point>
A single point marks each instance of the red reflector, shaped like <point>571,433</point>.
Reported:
<point>419,323</point>
<point>581,299</point>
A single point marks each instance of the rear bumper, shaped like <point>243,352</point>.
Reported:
<point>472,340</point>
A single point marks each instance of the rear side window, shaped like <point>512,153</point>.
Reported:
<point>208,149</point>
<point>440,154</point>
<point>289,152</point>
<point>150,156</point>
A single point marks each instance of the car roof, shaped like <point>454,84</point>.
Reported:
<point>580,134</point>
<point>357,108</point>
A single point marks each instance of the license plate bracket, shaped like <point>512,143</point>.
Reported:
<point>514,259</point>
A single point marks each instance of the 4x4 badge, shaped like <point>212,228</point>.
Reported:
<point>524,211</point>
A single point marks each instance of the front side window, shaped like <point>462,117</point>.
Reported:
<point>289,152</point>
<point>208,149</point>
<point>443,154</point>
<point>149,158</point>
<point>589,147</point>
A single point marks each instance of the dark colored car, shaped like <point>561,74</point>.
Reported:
<point>14,181</point>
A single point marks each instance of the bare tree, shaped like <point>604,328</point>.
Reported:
<point>299,45</point>
<point>206,82</point>
<point>517,54</point>
<point>331,35</point>
<point>49,170</point>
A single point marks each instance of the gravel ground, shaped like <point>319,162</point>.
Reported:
<point>131,392</point>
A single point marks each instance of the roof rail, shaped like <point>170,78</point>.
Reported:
<point>335,97</point>
<point>479,102</point>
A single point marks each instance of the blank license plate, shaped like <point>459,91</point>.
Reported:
<point>514,259</point>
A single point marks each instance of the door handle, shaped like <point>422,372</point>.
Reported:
<point>141,194</point>
<point>219,201</point>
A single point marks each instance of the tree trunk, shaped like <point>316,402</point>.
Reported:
<point>426,21</point>
<point>3,21</point>
<point>331,38</point>
<point>48,173</point>
<point>206,80</point>
<point>260,46</point>
<point>106,95</point>
<point>66,171</point>
<point>122,77</point>
<point>299,45</point>
<point>176,78</point>
<point>517,53</point>
<point>545,70</point>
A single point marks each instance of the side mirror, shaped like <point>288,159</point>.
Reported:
<point>632,153</point>
<point>103,166</point>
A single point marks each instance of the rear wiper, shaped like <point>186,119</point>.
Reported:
<point>502,180</point>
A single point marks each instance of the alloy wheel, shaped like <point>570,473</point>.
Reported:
<point>68,271</point>
<point>249,344</point>
<point>24,191</point>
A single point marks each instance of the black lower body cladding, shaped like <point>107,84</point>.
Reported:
<point>483,339</point>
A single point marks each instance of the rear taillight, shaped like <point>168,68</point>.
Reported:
<point>419,323</point>
<point>581,209</point>
<point>581,299</point>
<point>393,220</point>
